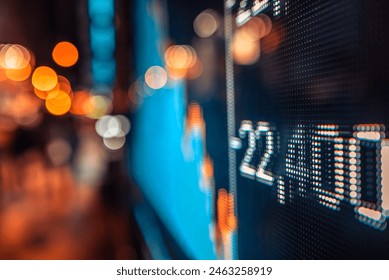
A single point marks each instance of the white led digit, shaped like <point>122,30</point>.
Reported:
<point>263,176</point>
<point>371,213</point>
<point>244,13</point>
<point>259,6</point>
<point>246,168</point>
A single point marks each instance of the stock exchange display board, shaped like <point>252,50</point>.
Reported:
<point>311,119</point>
<point>304,167</point>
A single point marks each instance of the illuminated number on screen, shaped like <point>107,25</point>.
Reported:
<point>263,176</point>
<point>259,6</point>
<point>244,13</point>
<point>336,165</point>
<point>246,168</point>
<point>296,168</point>
<point>327,167</point>
<point>262,131</point>
<point>370,201</point>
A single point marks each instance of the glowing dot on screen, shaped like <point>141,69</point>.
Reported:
<point>206,23</point>
<point>44,78</point>
<point>59,105</point>
<point>235,143</point>
<point>65,54</point>
<point>156,77</point>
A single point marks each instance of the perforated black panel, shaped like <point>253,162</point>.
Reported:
<point>313,182</point>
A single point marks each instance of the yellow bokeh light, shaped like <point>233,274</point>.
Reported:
<point>60,104</point>
<point>65,54</point>
<point>97,106</point>
<point>44,78</point>
<point>50,94</point>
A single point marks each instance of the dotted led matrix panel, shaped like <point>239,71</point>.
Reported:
<point>311,114</point>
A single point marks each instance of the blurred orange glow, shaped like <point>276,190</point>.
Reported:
<point>255,29</point>
<point>156,77</point>
<point>3,75</point>
<point>195,71</point>
<point>18,74</point>
<point>65,85</point>
<point>195,117</point>
<point>249,38</point>
<point>65,54</point>
<point>226,217</point>
<point>177,73</point>
<point>44,78</point>
<point>64,80</point>
<point>79,103</point>
<point>179,59</point>
<point>208,167</point>
<point>226,222</point>
<point>268,23</point>
<point>47,94</point>
<point>245,52</point>
<point>272,42</point>
<point>60,104</point>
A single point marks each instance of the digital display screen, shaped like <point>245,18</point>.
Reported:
<point>296,163</point>
<point>311,116</point>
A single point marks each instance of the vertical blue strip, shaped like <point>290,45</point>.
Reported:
<point>102,42</point>
<point>170,181</point>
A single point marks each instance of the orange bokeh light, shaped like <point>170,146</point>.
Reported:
<point>60,104</point>
<point>50,94</point>
<point>18,75</point>
<point>44,78</point>
<point>79,104</point>
<point>180,57</point>
<point>208,167</point>
<point>3,75</point>
<point>65,54</point>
